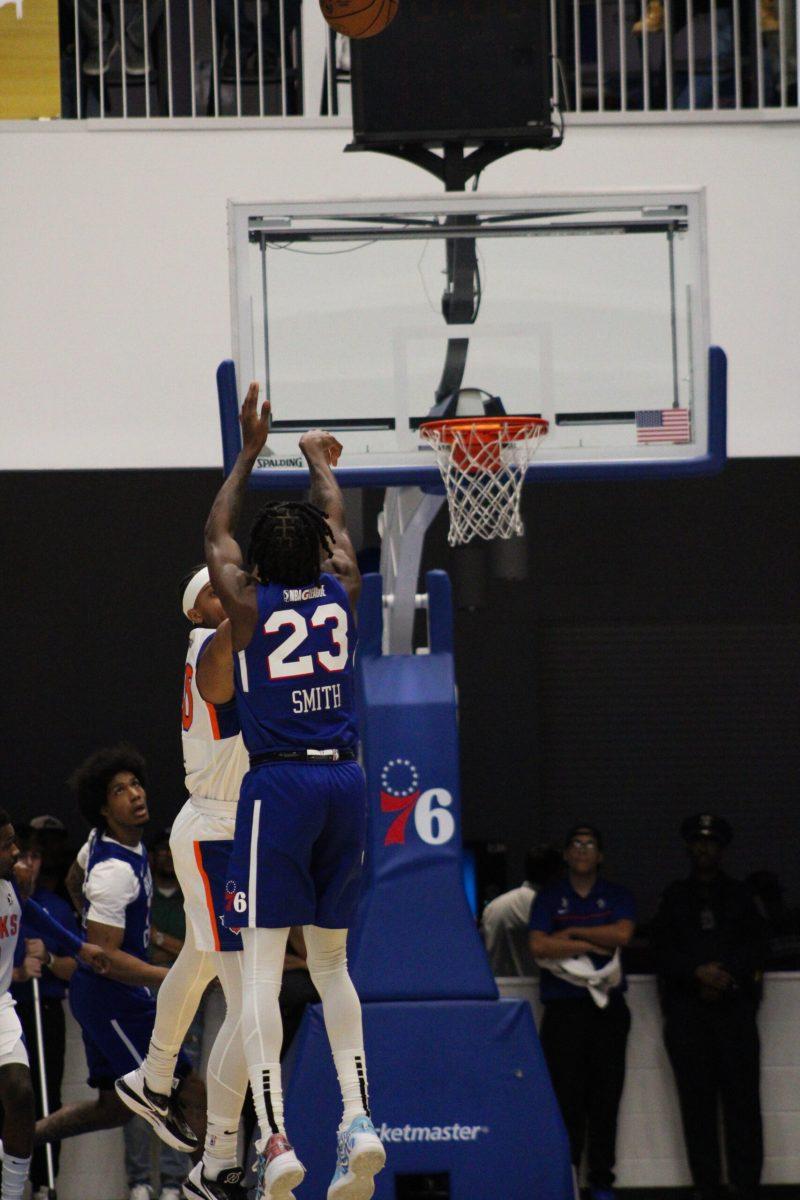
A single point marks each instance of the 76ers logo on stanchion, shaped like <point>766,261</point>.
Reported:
<point>401,794</point>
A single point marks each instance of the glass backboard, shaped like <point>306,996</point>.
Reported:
<point>590,310</point>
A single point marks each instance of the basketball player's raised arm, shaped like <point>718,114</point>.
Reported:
<point>215,667</point>
<point>224,558</point>
<point>321,451</point>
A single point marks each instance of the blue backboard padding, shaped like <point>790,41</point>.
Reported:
<point>428,478</point>
<point>414,936</point>
<point>455,1086</point>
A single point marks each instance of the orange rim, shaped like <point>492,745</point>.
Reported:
<point>485,429</point>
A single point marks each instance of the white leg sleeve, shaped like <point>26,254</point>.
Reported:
<point>327,964</point>
<point>226,1081</point>
<point>178,1000</point>
<point>262,1027</point>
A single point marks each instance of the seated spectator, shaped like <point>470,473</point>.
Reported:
<point>41,847</point>
<point>710,946</point>
<point>167,935</point>
<point>248,43</point>
<point>783,923</point>
<point>504,923</point>
<point>578,927</point>
<point>135,37</point>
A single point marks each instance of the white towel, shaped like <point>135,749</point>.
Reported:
<point>581,972</point>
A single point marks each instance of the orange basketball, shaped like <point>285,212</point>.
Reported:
<point>358,18</point>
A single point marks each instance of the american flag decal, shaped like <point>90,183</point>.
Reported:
<point>662,425</point>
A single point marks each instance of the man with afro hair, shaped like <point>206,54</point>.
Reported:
<point>110,883</point>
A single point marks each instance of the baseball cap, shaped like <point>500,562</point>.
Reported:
<point>707,825</point>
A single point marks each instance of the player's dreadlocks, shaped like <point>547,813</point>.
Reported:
<point>286,540</point>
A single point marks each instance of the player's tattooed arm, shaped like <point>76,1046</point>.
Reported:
<point>124,967</point>
<point>215,667</point>
<point>321,451</point>
<point>74,885</point>
<point>231,582</point>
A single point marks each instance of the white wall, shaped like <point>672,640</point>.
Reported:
<point>650,1146</point>
<point>114,307</point>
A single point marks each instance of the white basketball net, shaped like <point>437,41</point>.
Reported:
<point>483,479</point>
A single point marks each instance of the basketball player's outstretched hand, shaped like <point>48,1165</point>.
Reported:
<point>320,441</point>
<point>255,424</point>
<point>95,958</point>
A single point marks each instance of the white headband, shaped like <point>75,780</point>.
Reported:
<point>193,589</point>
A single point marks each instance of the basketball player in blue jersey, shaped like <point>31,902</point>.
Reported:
<point>111,880</point>
<point>215,761</point>
<point>300,828</point>
<point>16,1088</point>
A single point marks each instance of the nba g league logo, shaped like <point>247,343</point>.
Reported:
<point>402,796</point>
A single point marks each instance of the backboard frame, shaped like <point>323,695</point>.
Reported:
<point>287,471</point>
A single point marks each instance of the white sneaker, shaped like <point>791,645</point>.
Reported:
<point>173,1192</point>
<point>359,1157</point>
<point>42,1193</point>
<point>140,1191</point>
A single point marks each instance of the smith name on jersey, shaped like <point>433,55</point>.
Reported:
<point>294,681</point>
<point>214,757</point>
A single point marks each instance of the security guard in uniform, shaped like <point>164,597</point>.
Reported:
<point>710,946</point>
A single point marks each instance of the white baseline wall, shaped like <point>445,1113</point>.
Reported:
<point>114,306</point>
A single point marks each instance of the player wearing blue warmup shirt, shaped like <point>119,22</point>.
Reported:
<point>16,1089</point>
<point>111,878</point>
<point>578,926</point>
<point>300,829</point>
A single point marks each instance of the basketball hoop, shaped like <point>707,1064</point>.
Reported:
<point>483,461</point>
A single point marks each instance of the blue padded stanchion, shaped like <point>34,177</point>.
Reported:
<point>414,936</point>
<point>458,1088</point>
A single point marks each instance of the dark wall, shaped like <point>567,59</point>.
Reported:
<point>648,667</point>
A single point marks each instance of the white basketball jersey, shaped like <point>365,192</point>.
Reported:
<point>214,757</point>
<point>10,914</point>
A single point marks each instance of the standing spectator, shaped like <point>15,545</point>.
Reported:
<point>505,920</point>
<point>42,856</point>
<point>167,935</point>
<point>783,923</point>
<point>578,927</point>
<point>710,946</point>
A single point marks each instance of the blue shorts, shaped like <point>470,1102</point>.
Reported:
<point>116,1021</point>
<point>298,852</point>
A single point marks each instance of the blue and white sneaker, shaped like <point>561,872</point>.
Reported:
<point>359,1157</point>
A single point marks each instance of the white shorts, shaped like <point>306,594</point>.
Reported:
<point>12,1045</point>
<point>201,842</point>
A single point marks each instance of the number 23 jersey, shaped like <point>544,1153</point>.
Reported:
<point>294,681</point>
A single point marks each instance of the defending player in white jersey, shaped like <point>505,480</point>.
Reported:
<point>215,761</point>
<point>16,1088</point>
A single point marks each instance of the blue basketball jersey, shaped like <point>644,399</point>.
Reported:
<point>294,682</point>
<point>136,938</point>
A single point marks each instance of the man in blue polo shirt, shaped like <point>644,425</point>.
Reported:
<point>578,927</point>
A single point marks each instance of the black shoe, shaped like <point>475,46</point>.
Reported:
<point>162,1112</point>
<point>227,1187</point>
<point>91,60</point>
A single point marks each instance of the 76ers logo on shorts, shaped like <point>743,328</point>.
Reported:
<point>401,794</point>
<point>235,901</point>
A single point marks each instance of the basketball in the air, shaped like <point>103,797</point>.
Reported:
<point>358,18</point>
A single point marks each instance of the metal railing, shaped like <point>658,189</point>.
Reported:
<point>675,56</point>
<point>621,59</point>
